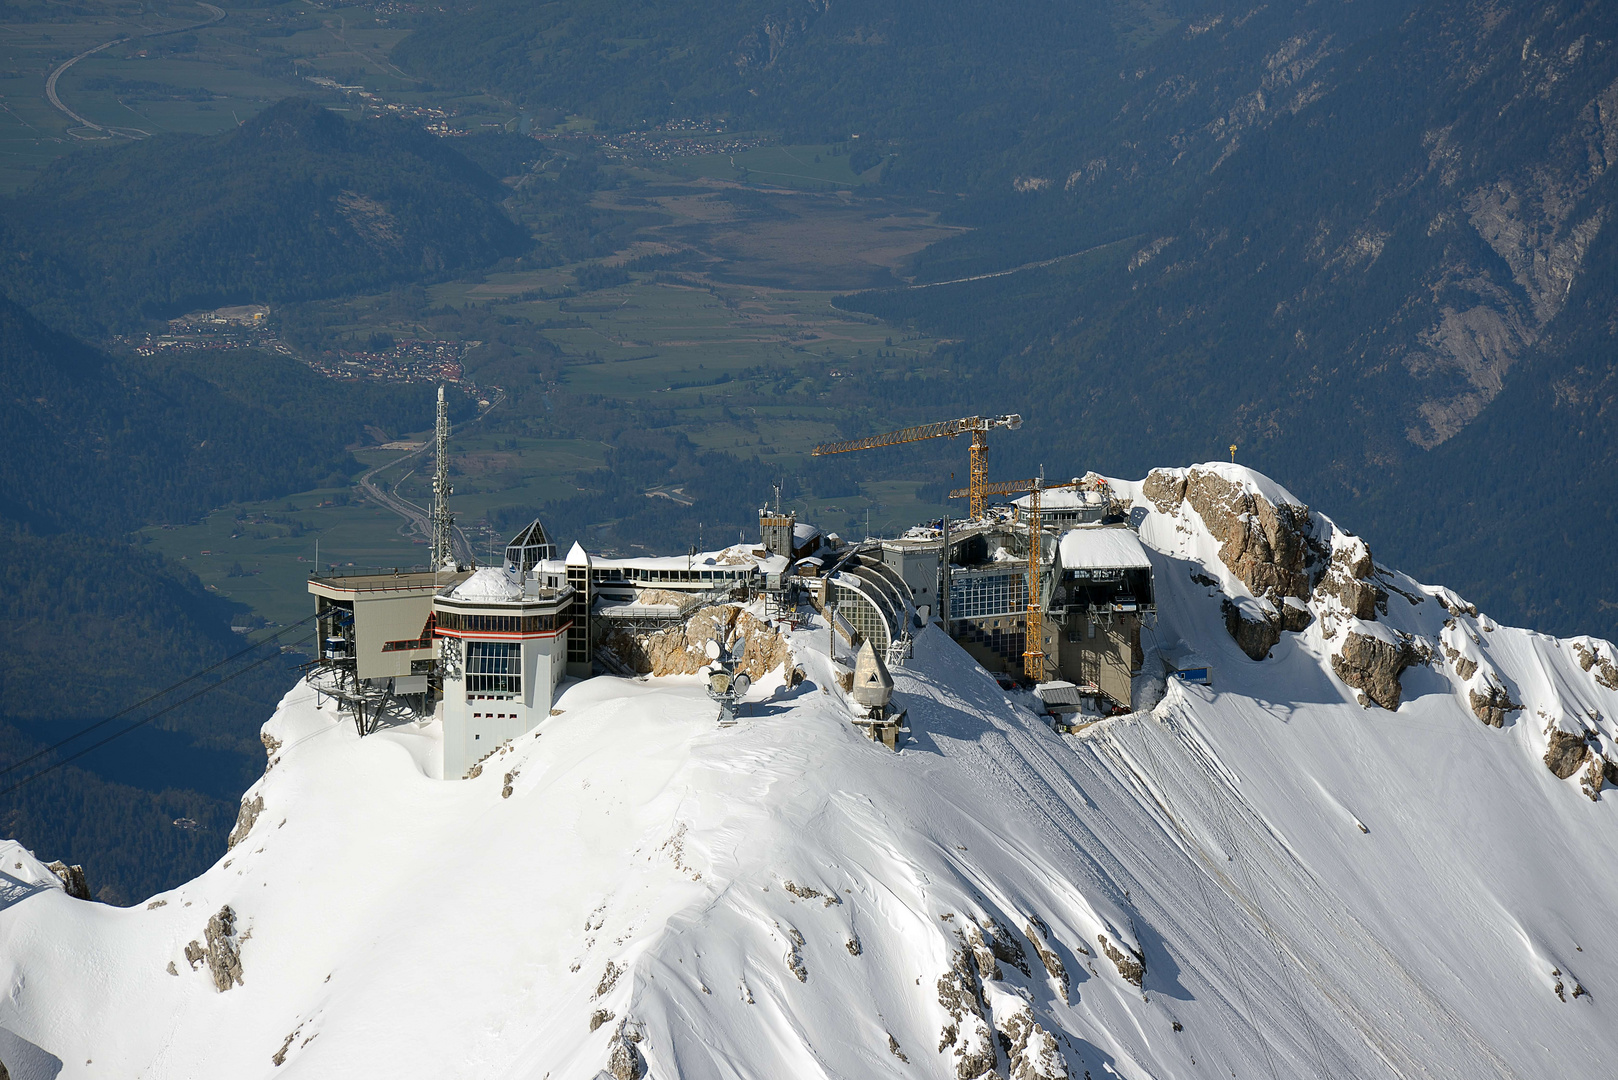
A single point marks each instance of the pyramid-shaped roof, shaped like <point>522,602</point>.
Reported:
<point>873,685</point>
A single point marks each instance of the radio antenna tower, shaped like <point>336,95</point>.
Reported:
<point>442,521</point>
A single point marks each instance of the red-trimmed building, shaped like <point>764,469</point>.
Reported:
<point>502,650</point>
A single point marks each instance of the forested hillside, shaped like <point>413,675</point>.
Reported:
<point>97,446</point>
<point>1366,243</point>
<point>297,202</point>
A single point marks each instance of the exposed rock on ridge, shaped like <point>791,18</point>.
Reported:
<point>679,650</point>
<point>1373,665</point>
<point>1285,555</point>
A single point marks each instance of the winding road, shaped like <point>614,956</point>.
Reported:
<point>50,81</point>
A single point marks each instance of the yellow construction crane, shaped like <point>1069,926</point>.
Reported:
<point>976,426</point>
<point>1033,655</point>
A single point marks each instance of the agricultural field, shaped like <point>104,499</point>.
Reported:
<point>709,323</point>
<point>811,167</point>
<point>199,81</point>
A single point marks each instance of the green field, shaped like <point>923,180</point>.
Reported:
<point>814,167</point>
<point>203,81</point>
<point>737,347</point>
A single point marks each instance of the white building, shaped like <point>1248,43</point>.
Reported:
<point>502,649</point>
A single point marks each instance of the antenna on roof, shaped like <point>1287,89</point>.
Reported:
<point>442,521</point>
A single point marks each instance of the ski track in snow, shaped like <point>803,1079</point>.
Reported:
<point>1318,889</point>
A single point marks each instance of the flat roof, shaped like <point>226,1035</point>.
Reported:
<point>406,582</point>
<point>1103,547</point>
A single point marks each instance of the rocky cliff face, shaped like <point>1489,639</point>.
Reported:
<point>1280,569</point>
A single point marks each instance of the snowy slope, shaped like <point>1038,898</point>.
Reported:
<point>1316,886</point>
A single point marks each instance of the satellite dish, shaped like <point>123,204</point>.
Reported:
<point>740,683</point>
<point>713,650</point>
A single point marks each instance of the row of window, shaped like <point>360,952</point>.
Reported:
<point>496,624</point>
<point>637,573</point>
<point>977,595</point>
<point>494,667</point>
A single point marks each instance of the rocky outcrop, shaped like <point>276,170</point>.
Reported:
<point>1372,665</point>
<point>73,882</point>
<point>1048,956</point>
<point>222,952</point>
<point>1592,660</point>
<point>245,818</point>
<point>1269,548</point>
<point>1165,489</point>
<point>1033,1052</point>
<point>1273,550</point>
<point>1492,704</point>
<point>1004,945</point>
<point>680,650</point>
<point>1130,964</point>
<point>988,967</point>
<point>1596,771</point>
<point>1566,752</point>
<point>1347,577</point>
<point>1465,667</point>
<point>623,1056</point>
<point>1254,632</point>
<point>966,1033</point>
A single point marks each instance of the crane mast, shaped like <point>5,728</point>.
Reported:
<point>1033,653</point>
<point>977,427</point>
<point>1033,657</point>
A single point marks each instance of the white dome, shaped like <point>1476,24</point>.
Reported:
<point>488,583</point>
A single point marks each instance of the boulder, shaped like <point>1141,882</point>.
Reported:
<point>1256,634</point>
<point>1130,964</point>
<point>1595,774</point>
<point>1373,665</point>
<point>245,819</point>
<point>1492,704</point>
<point>1591,659</point>
<point>1566,752</point>
<point>73,882</point>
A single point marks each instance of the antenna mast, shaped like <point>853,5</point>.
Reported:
<point>442,521</point>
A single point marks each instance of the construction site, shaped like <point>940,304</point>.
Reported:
<point>1044,583</point>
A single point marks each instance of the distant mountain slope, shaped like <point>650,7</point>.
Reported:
<point>297,202</point>
<point>97,446</point>
<point>1370,243</point>
<point>1263,877</point>
<point>1348,249</point>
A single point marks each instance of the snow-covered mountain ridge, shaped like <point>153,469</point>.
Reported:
<point>1382,849</point>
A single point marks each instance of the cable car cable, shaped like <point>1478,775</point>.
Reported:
<point>141,723</point>
<point>154,697</point>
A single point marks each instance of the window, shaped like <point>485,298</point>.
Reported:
<point>425,641</point>
<point>496,624</point>
<point>494,666</point>
<point>862,615</point>
<point>973,596</point>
